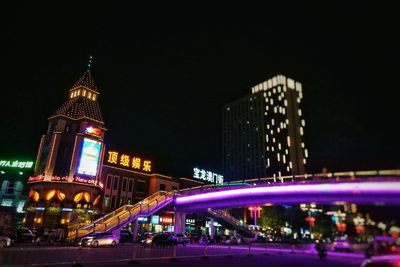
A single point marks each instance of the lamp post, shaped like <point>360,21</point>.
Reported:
<point>255,211</point>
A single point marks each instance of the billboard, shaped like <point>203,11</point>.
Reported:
<point>90,156</point>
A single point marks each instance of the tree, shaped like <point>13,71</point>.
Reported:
<point>272,217</point>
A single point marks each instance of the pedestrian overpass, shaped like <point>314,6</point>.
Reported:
<point>371,187</point>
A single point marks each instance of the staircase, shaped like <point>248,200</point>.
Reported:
<point>122,216</point>
<point>238,225</point>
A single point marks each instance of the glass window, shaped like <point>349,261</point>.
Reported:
<point>10,188</point>
<point>113,201</point>
<point>116,182</point>
<point>130,185</point>
<point>141,187</point>
<point>124,185</point>
<point>109,178</point>
<point>162,187</point>
<point>106,200</point>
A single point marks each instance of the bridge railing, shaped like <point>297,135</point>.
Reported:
<point>331,177</point>
<point>122,215</point>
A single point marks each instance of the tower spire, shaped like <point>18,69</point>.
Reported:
<point>90,62</point>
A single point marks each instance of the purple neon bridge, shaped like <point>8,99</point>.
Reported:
<point>383,191</point>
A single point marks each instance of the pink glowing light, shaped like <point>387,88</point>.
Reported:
<point>355,189</point>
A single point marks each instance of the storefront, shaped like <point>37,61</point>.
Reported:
<point>162,223</point>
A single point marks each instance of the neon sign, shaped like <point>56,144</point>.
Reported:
<point>93,131</point>
<point>207,176</point>
<point>166,220</point>
<point>129,162</point>
<point>16,164</point>
<point>68,179</point>
<point>89,157</point>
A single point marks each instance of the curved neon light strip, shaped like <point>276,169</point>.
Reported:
<point>363,188</point>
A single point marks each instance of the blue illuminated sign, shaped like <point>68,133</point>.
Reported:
<point>90,156</point>
<point>155,219</point>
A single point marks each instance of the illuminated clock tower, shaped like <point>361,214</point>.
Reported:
<point>66,187</point>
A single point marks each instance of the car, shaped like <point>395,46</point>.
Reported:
<point>229,240</point>
<point>141,238</point>
<point>342,245</point>
<point>5,241</point>
<point>382,245</point>
<point>51,237</point>
<point>194,238</point>
<point>160,240</point>
<point>24,235</point>
<point>180,239</point>
<point>100,239</point>
<point>126,236</point>
<point>382,261</point>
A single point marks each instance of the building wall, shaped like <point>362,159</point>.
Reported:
<point>162,183</point>
<point>13,195</point>
<point>262,132</point>
<point>123,186</point>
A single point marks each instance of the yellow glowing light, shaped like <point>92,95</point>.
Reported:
<point>78,197</point>
<point>96,200</point>
<point>50,194</point>
<point>124,161</point>
<point>147,165</point>
<point>62,221</point>
<point>24,220</point>
<point>136,163</point>
<point>60,195</point>
<point>112,157</point>
<point>35,196</point>
<point>86,196</point>
<point>52,149</point>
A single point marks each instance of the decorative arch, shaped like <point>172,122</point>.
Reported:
<point>50,194</point>
<point>82,196</point>
<point>34,195</point>
<point>96,200</point>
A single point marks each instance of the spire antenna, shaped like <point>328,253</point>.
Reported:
<point>90,62</point>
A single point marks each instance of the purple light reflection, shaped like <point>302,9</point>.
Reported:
<point>354,189</point>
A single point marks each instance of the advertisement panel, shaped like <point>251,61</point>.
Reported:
<point>90,156</point>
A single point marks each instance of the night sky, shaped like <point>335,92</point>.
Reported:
<point>164,76</point>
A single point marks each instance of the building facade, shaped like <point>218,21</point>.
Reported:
<point>13,192</point>
<point>263,132</point>
<point>66,186</point>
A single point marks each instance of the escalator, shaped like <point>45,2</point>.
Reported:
<point>115,220</point>
<point>224,215</point>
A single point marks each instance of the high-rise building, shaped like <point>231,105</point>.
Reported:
<point>66,186</point>
<point>263,132</point>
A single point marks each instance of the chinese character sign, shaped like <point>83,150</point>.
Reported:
<point>129,162</point>
<point>207,176</point>
<point>16,164</point>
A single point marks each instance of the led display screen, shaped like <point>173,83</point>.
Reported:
<point>89,157</point>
